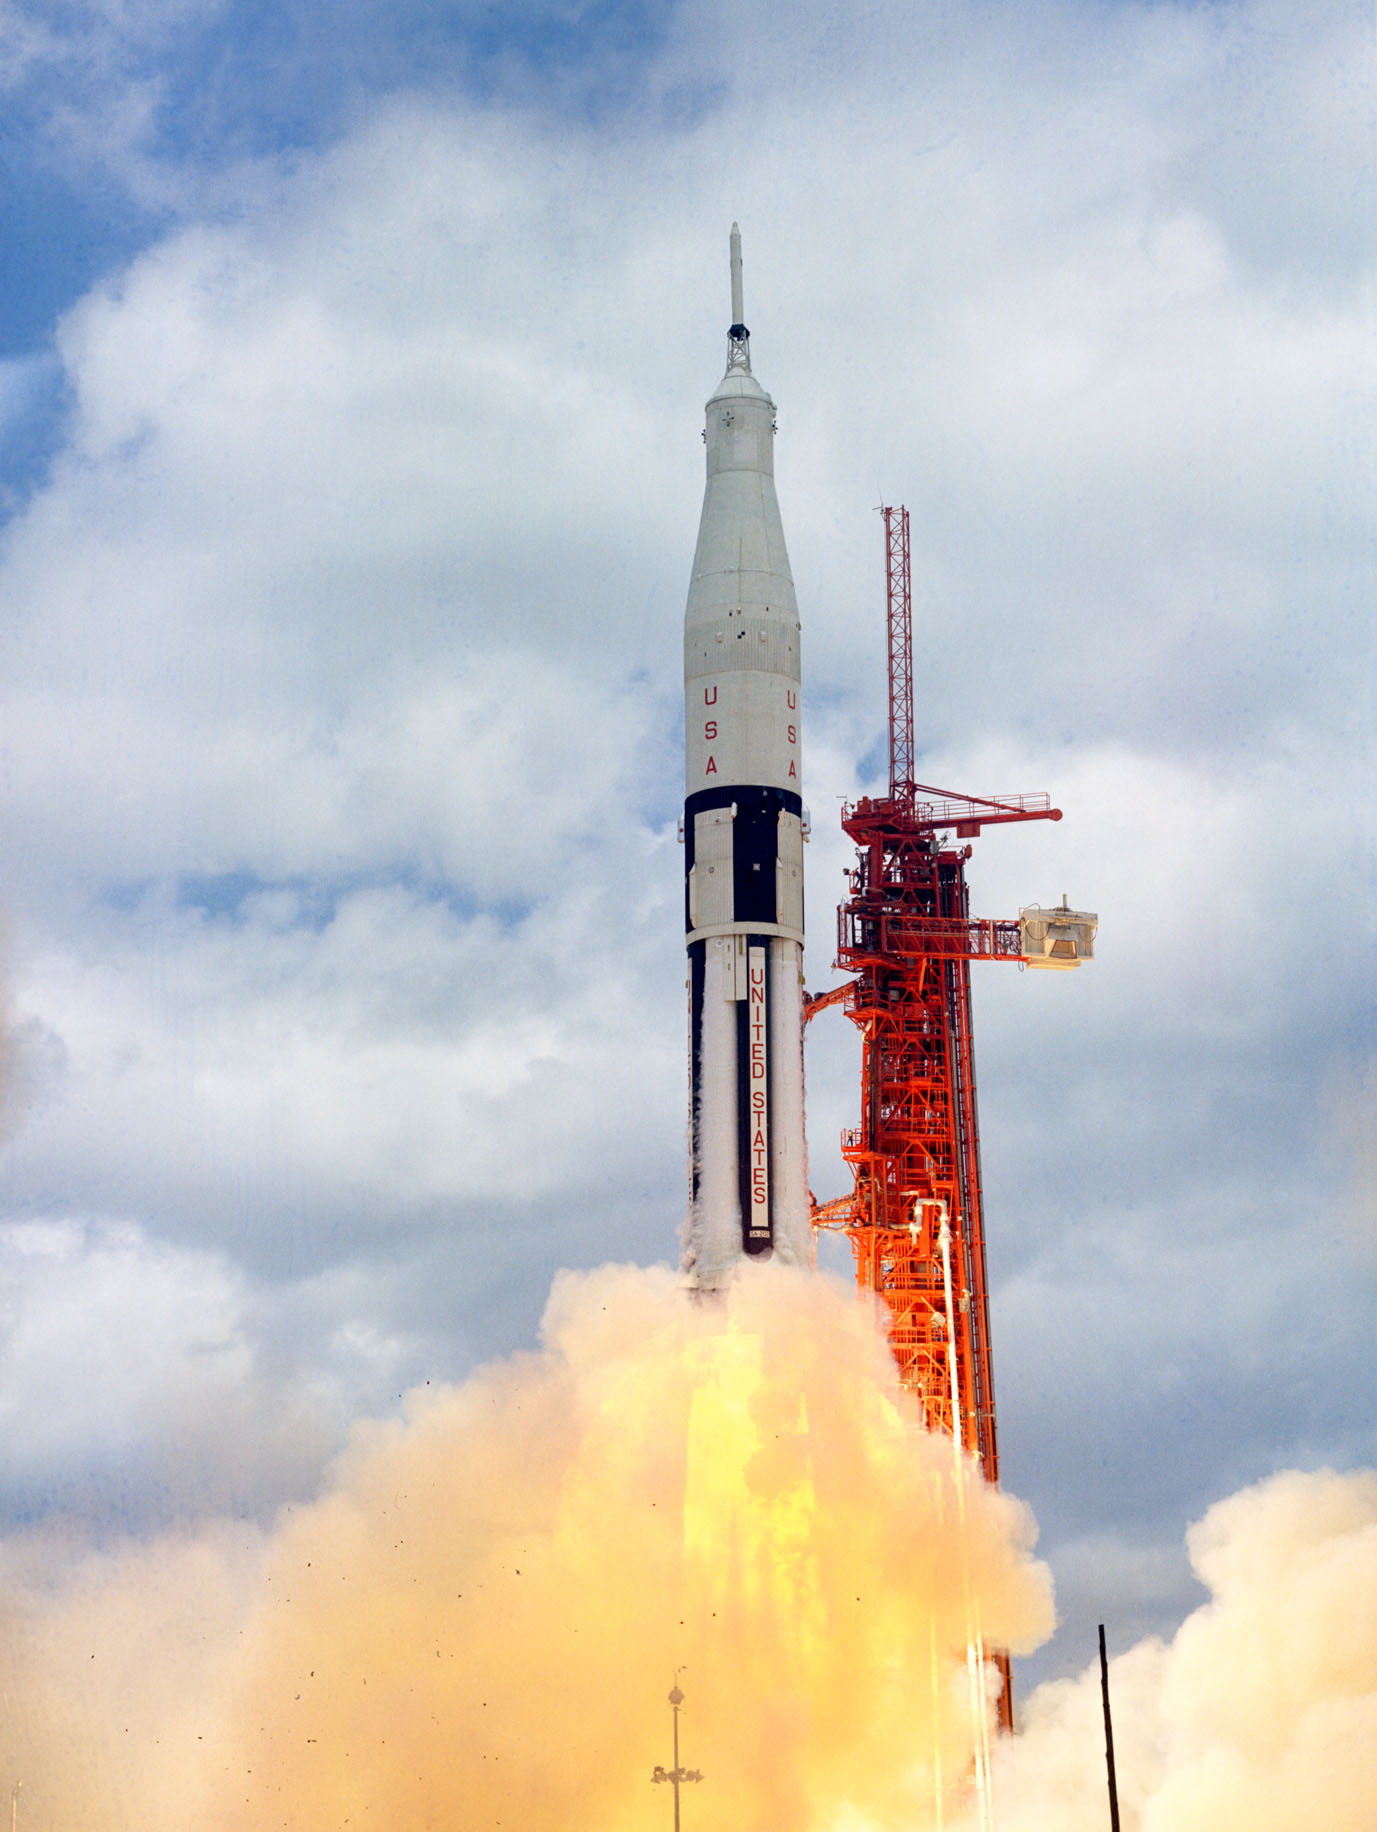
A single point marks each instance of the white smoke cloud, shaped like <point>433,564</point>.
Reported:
<point>479,1620</point>
<point>1260,1712</point>
<point>138,1384</point>
<point>480,1616</point>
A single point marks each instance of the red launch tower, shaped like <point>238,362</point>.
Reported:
<point>905,934</point>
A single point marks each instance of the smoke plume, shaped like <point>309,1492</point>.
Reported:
<point>479,1624</point>
<point>1260,1713</point>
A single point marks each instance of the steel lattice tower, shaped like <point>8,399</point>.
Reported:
<point>914,1216</point>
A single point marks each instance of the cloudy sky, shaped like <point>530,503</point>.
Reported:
<point>351,382</point>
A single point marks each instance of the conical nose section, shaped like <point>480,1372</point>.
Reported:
<point>742,614</point>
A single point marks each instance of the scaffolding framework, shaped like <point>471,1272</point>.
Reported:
<point>906,937</point>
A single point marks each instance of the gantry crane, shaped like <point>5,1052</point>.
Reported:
<point>906,936</point>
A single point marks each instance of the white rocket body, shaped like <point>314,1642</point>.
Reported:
<point>743,833</point>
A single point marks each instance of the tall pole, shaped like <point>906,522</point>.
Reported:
<point>676,1775</point>
<point>1108,1737</point>
<point>676,1698</point>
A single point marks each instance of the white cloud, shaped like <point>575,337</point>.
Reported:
<point>1260,1710</point>
<point>341,669</point>
<point>131,1387</point>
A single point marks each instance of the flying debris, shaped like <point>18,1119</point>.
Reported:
<point>743,830</point>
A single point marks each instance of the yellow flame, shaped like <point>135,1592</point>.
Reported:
<point>748,1532</point>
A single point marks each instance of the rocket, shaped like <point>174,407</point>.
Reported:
<point>743,829</point>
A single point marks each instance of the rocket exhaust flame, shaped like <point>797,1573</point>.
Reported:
<point>471,1629</point>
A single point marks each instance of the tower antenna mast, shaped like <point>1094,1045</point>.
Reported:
<point>899,588</point>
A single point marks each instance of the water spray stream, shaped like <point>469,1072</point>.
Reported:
<point>935,1676</point>
<point>975,1651</point>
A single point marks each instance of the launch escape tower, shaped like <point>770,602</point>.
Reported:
<point>906,936</point>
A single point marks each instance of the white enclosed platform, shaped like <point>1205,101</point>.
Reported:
<point>1058,937</point>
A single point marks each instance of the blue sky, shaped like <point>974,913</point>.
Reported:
<point>214,85</point>
<point>354,360</point>
<point>121,122</point>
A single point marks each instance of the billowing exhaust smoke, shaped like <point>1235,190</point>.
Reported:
<point>1261,1713</point>
<point>477,1625</point>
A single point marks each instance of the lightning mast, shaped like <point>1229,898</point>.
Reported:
<point>914,1216</point>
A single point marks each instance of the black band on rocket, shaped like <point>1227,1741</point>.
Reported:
<point>755,846</point>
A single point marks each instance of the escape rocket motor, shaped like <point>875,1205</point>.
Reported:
<point>743,831</point>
